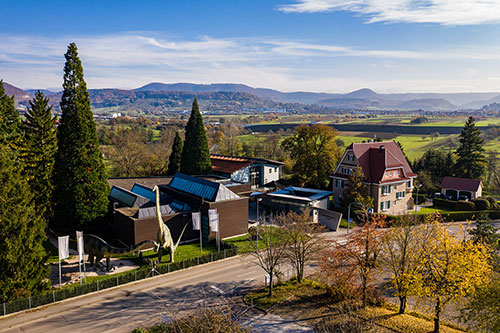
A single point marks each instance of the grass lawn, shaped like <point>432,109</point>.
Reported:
<point>311,303</point>
<point>243,244</point>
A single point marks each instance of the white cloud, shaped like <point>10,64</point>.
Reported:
<point>130,60</point>
<point>445,12</point>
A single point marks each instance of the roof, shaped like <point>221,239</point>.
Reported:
<point>148,193</point>
<point>253,160</point>
<point>127,198</point>
<point>301,193</point>
<point>228,164</point>
<point>211,191</point>
<point>376,157</point>
<point>128,182</point>
<point>461,184</point>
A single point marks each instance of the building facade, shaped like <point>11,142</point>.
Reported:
<point>387,175</point>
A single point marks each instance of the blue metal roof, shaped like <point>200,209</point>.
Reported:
<point>127,197</point>
<point>302,192</point>
<point>196,186</point>
<point>148,193</point>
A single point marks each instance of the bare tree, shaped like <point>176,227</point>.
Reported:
<point>273,240</point>
<point>304,240</point>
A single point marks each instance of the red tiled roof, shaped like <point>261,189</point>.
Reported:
<point>375,157</point>
<point>461,184</point>
<point>228,164</point>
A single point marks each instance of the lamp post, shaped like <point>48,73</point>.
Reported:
<point>369,210</point>
<point>416,201</point>
<point>257,228</point>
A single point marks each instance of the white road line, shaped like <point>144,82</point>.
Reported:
<point>114,312</point>
<point>247,273</point>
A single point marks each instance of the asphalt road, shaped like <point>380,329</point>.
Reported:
<point>142,303</point>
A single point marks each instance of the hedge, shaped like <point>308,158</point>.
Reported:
<point>464,205</point>
<point>443,203</point>
<point>421,198</point>
<point>481,204</point>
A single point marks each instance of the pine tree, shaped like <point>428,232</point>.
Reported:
<point>195,158</point>
<point>174,164</point>
<point>22,257</point>
<point>9,119</point>
<point>39,148</point>
<point>80,181</point>
<point>471,162</point>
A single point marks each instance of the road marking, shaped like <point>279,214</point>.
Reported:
<point>114,312</point>
<point>247,273</point>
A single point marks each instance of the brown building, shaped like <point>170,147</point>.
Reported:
<point>386,172</point>
<point>135,217</point>
<point>456,188</point>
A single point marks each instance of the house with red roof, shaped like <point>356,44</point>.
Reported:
<point>387,175</point>
<point>455,187</point>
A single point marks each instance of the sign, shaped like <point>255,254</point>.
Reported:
<point>63,246</point>
<point>213,219</point>
<point>79,243</point>
<point>196,220</point>
<point>329,219</point>
<point>350,220</point>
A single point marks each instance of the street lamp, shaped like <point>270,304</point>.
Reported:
<point>416,201</point>
<point>369,210</point>
<point>258,200</point>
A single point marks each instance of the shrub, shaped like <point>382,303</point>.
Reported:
<point>481,204</point>
<point>443,203</point>
<point>465,206</point>
<point>493,203</point>
<point>421,198</point>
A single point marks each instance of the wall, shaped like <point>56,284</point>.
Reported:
<point>242,175</point>
<point>233,217</point>
<point>398,206</point>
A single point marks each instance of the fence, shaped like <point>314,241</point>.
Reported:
<point>111,281</point>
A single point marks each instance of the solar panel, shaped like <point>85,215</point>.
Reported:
<point>195,186</point>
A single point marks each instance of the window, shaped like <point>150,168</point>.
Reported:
<point>385,205</point>
<point>409,184</point>
<point>350,157</point>
<point>386,189</point>
<point>270,170</point>
<point>339,183</point>
<point>346,171</point>
<point>395,187</point>
<point>400,195</point>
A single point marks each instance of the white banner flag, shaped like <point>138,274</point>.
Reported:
<point>63,246</point>
<point>79,241</point>
<point>213,218</point>
<point>196,220</point>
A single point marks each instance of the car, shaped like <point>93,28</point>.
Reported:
<point>463,198</point>
<point>438,195</point>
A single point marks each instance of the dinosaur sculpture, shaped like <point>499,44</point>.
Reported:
<point>97,248</point>
<point>164,237</point>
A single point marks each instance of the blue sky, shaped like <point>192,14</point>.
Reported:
<point>290,45</point>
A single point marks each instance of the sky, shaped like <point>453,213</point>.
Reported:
<point>290,45</point>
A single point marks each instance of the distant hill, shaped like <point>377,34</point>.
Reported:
<point>19,94</point>
<point>429,104</point>
<point>46,92</point>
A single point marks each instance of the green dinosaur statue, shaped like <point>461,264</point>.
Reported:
<point>97,248</point>
<point>164,237</point>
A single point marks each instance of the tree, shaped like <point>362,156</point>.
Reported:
<point>304,241</point>
<point>451,267</point>
<point>485,233</point>
<point>314,152</point>
<point>9,119</point>
<point>174,164</point>
<point>127,153</point>
<point>401,246</point>
<point>356,260</point>
<point>482,310</point>
<point>356,191</point>
<point>39,148</point>
<point>80,181</point>
<point>432,163</point>
<point>22,257</point>
<point>471,162</point>
<point>273,239</point>
<point>195,158</point>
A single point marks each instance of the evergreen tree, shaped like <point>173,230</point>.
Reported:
<point>471,162</point>
<point>80,181</point>
<point>195,158</point>
<point>22,257</point>
<point>9,119</point>
<point>39,148</point>
<point>356,191</point>
<point>174,164</point>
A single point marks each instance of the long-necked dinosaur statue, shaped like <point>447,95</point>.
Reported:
<point>164,237</point>
<point>97,248</point>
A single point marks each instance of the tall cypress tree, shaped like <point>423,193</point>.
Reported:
<point>80,181</point>
<point>195,159</point>
<point>471,162</point>
<point>39,148</point>
<point>9,119</point>
<point>174,164</point>
<point>22,257</point>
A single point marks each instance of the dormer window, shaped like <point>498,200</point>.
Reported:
<point>350,157</point>
<point>346,171</point>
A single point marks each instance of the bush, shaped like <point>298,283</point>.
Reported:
<point>481,204</point>
<point>443,203</point>
<point>464,206</point>
<point>421,198</point>
<point>493,203</point>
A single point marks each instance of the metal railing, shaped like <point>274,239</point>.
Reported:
<point>110,281</point>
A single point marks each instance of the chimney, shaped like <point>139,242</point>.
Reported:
<point>382,147</point>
